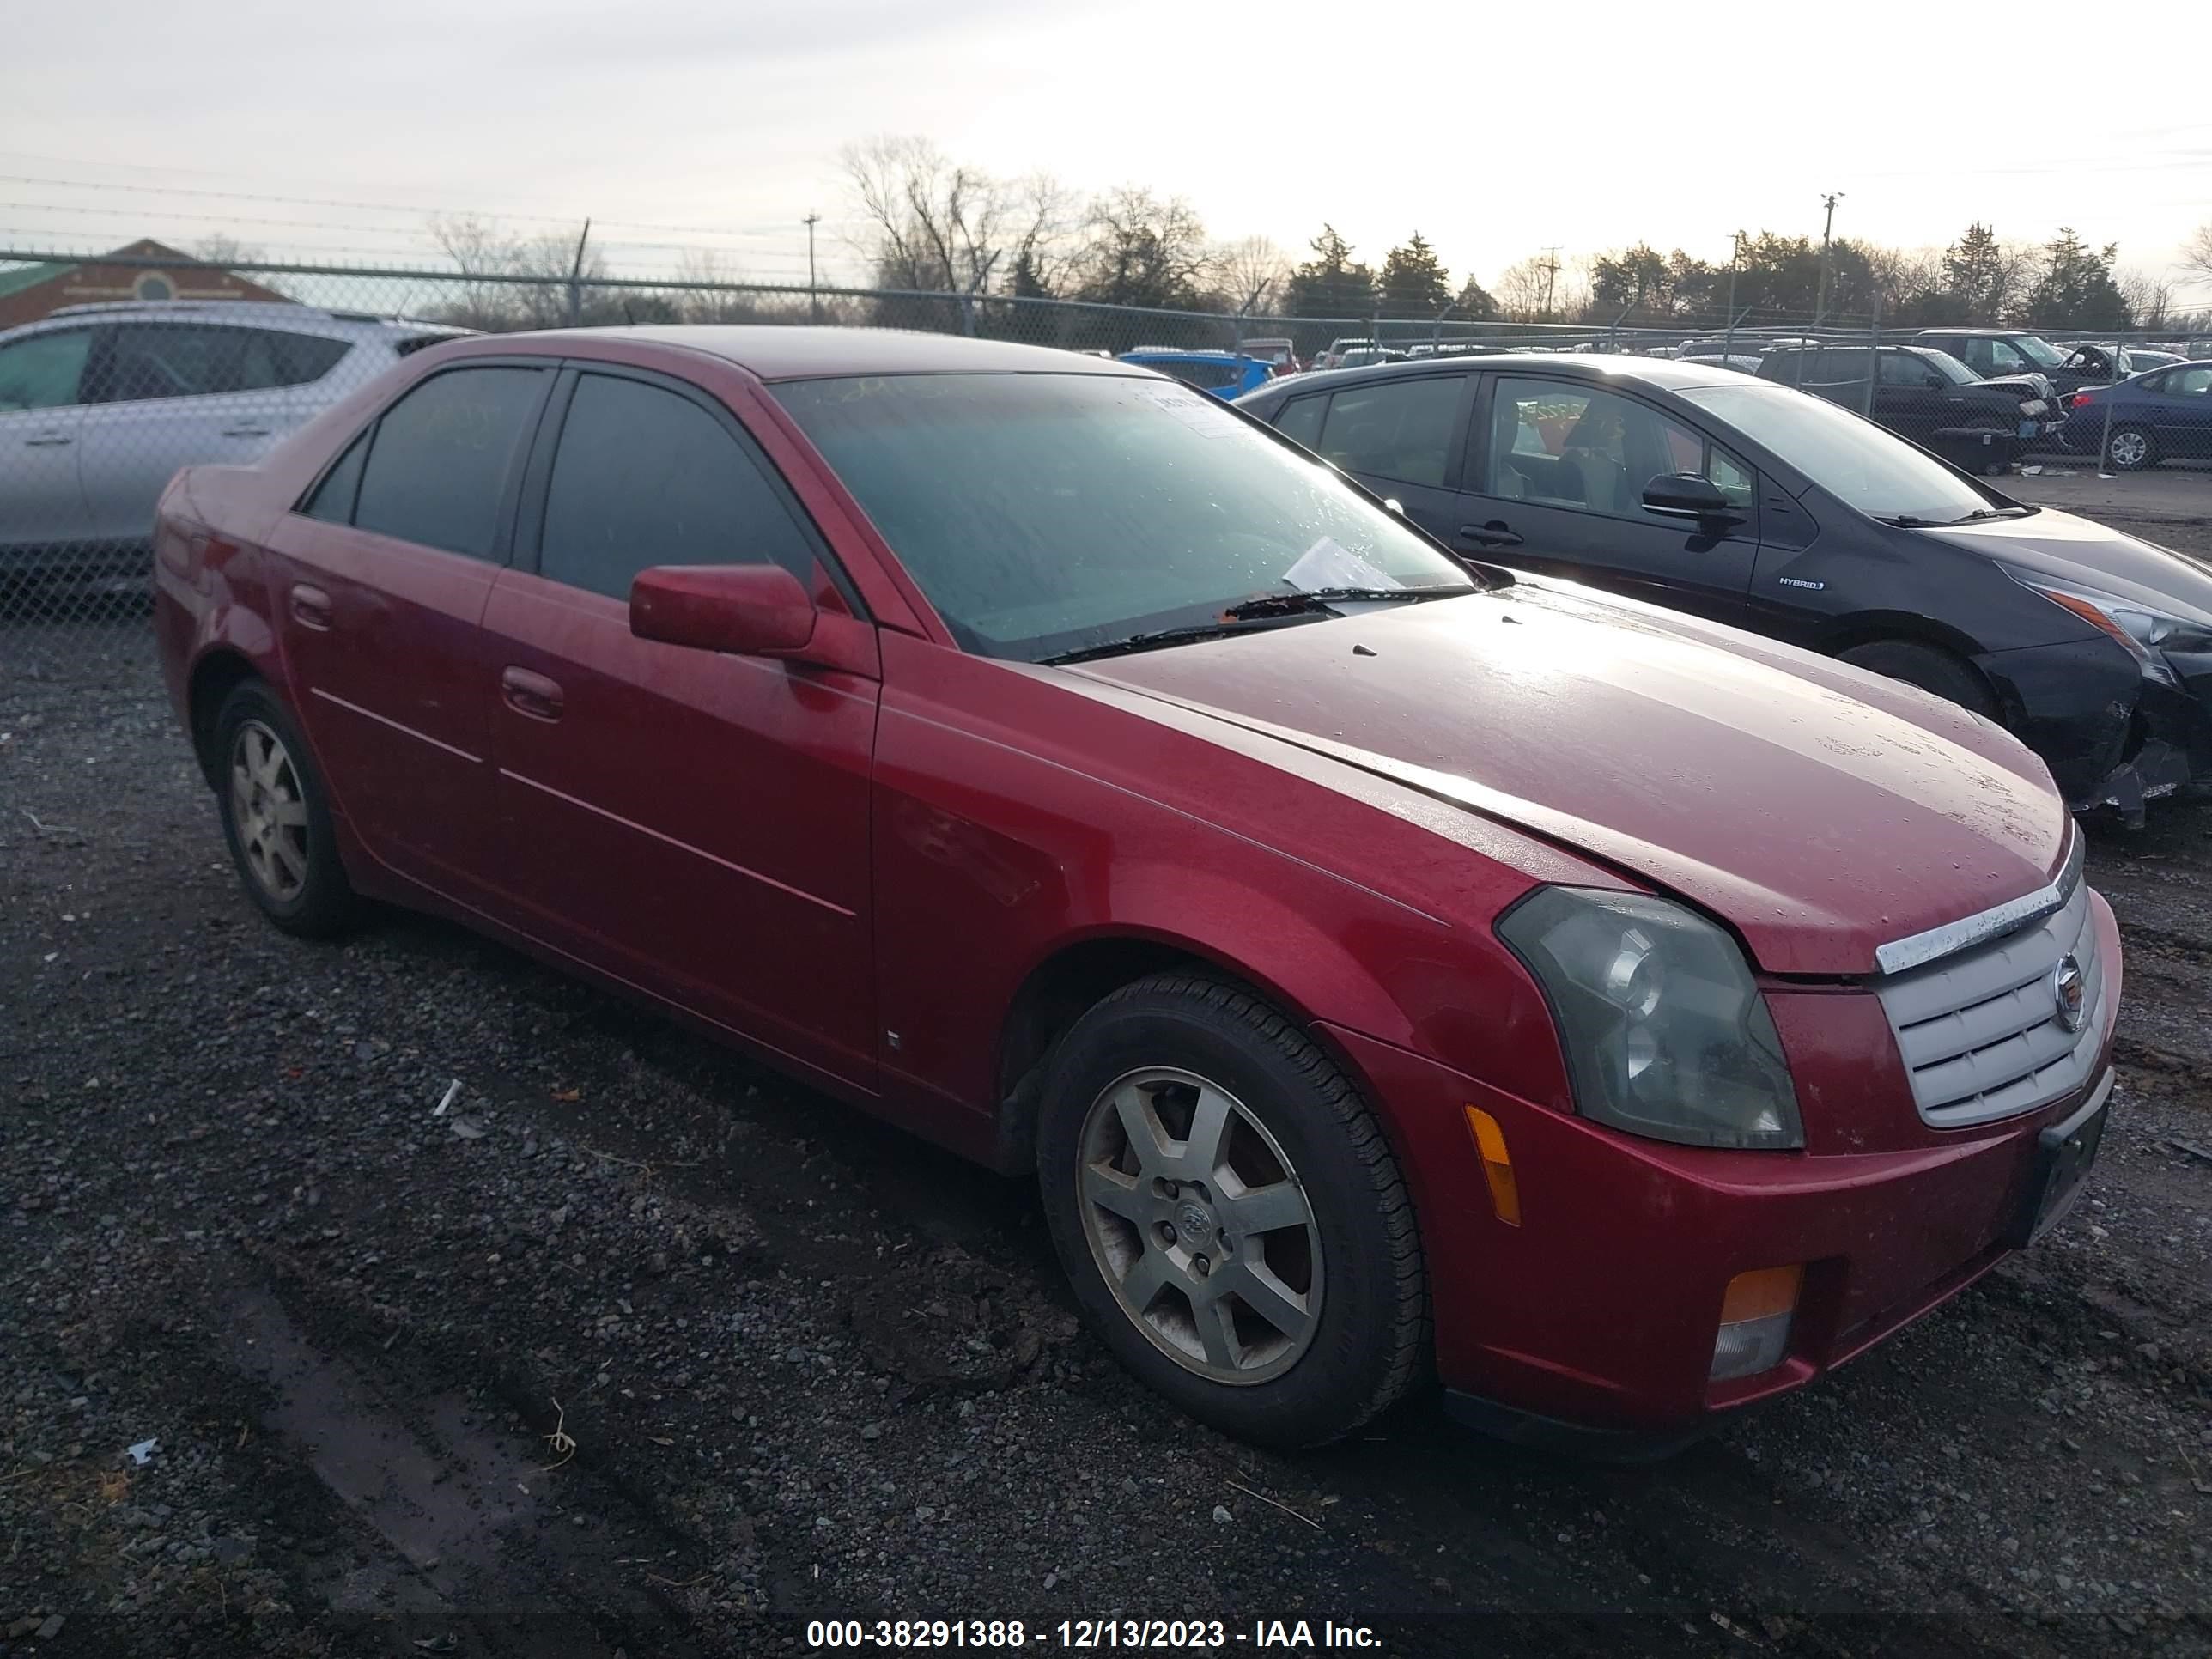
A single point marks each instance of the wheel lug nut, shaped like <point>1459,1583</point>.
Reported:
<point>1165,1233</point>
<point>1200,1265</point>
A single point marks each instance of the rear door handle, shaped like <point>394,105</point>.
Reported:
<point>311,608</point>
<point>245,432</point>
<point>531,694</point>
<point>1493,534</point>
<point>49,440</point>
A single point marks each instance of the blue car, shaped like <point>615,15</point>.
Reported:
<point>2166,412</point>
<point>1224,373</point>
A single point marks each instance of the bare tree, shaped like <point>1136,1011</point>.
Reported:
<point>2149,299</point>
<point>931,224</point>
<point>223,249</point>
<point>1252,272</point>
<point>484,251</point>
<point>1044,234</point>
<point>1541,289</point>
<point>2197,253</point>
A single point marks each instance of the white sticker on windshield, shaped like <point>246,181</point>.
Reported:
<point>1328,564</point>
<point>1190,408</point>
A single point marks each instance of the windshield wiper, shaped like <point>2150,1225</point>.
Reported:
<point>1905,521</point>
<point>1992,512</point>
<point>1213,631</point>
<point>1320,599</point>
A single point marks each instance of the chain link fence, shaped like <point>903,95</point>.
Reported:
<point>115,371</point>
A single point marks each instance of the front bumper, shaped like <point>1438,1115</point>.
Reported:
<point>2111,735</point>
<point>1595,1317</point>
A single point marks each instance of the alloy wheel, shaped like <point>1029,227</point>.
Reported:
<point>2129,448</point>
<point>268,811</point>
<point>1200,1226</point>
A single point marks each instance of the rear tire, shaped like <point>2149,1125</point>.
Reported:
<point>276,817</point>
<point>1231,1219</point>
<point>2130,449</point>
<point>1929,667</point>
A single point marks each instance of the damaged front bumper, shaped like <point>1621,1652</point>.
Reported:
<point>2111,734</point>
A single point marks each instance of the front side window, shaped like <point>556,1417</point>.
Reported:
<point>2005,358</point>
<point>2036,352</point>
<point>1400,430</point>
<point>646,476</point>
<point>1044,514</point>
<point>2190,382</point>
<point>1583,446</point>
<point>442,458</point>
<point>44,371</point>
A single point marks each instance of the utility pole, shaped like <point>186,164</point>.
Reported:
<point>1736,259</point>
<point>576,278</point>
<point>1821,296</point>
<point>1551,274</point>
<point>813,299</point>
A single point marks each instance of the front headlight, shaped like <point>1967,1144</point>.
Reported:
<point>1665,1033</point>
<point>2139,631</point>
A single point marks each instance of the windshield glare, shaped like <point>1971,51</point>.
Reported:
<point>1043,513</point>
<point>2038,350</point>
<point>1853,459</point>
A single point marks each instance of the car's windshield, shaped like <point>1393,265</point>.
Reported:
<point>1945,364</point>
<point>2038,350</point>
<point>1853,459</point>
<point>1045,514</point>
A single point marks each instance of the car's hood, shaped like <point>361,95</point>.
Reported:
<point>1822,812</point>
<point>2064,549</point>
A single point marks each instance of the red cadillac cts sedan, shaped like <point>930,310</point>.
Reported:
<point>1382,964</point>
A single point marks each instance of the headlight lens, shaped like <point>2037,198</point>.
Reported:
<point>1665,1033</point>
<point>2142,632</point>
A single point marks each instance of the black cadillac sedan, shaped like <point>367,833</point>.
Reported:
<point>1706,490</point>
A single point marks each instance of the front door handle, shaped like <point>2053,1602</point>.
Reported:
<point>531,694</point>
<point>245,432</point>
<point>49,440</point>
<point>1493,534</point>
<point>311,608</point>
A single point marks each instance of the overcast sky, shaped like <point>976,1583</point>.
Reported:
<point>1495,131</point>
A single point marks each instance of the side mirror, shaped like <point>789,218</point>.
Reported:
<point>753,609</point>
<point>1687,495</point>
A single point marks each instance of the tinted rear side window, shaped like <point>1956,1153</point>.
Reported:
<point>645,476</point>
<point>332,501</point>
<point>440,462</point>
<point>1400,429</point>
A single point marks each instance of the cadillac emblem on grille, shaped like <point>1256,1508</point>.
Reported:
<point>2068,992</point>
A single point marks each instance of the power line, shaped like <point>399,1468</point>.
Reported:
<point>372,207</point>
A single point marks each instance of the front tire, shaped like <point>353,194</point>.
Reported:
<point>1229,1215</point>
<point>1933,670</point>
<point>2130,449</point>
<point>276,816</point>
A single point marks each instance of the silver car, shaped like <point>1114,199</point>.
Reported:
<point>101,405</point>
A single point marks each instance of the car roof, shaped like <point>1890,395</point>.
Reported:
<point>1657,373</point>
<point>775,353</point>
<point>263,313</point>
<point>1989,333</point>
<point>1196,354</point>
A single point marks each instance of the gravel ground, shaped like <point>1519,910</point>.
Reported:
<point>637,1349</point>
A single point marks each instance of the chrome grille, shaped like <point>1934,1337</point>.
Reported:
<point>1979,1029</point>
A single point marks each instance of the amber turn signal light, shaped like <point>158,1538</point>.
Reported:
<point>1497,1166</point>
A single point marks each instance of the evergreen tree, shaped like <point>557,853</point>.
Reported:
<point>1474,304</point>
<point>1414,283</point>
<point>1978,274</point>
<point>2076,289</point>
<point>1331,284</point>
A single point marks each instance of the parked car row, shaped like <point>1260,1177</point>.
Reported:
<point>1595,980</point>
